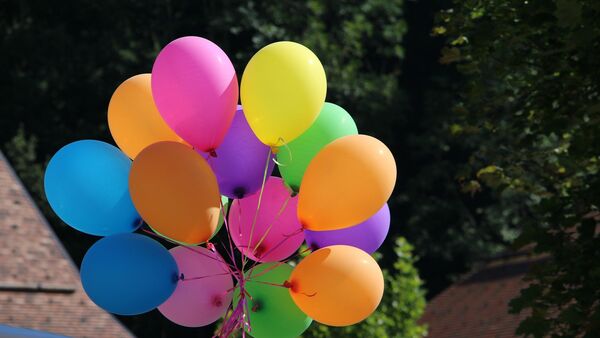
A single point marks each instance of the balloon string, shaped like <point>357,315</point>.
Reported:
<point>202,277</point>
<point>226,223</point>
<point>279,213</point>
<point>225,316</point>
<point>240,219</point>
<point>238,317</point>
<point>265,271</point>
<point>233,270</point>
<point>286,237</point>
<point>235,319</point>
<point>274,266</point>
<point>236,274</point>
<point>262,189</point>
<point>188,247</point>
<point>272,284</point>
<point>297,231</point>
<point>289,151</point>
<point>246,317</point>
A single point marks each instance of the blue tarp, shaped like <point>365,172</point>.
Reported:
<point>17,332</point>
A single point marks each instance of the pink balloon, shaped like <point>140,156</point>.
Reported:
<point>195,90</point>
<point>276,222</point>
<point>206,291</point>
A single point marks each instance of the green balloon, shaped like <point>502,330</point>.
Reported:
<point>273,313</point>
<point>332,123</point>
<point>225,202</point>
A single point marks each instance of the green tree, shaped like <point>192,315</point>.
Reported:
<point>531,102</point>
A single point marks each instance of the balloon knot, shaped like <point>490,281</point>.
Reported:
<point>288,285</point>
<point>239,192</point>
<point>274,149</point>
<point>212,152</point>
<point>182,276</point>
<point>211,247</point>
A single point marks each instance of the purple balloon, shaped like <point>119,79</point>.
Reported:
<point>368,235</point>
<point>240,160</point>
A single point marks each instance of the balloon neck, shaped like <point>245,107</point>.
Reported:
<point>289,285</point>
<point>274,150</point>
<point>239,192</point>
<point>212,152</point>
<point>259,251</point>
<point>137,223</point>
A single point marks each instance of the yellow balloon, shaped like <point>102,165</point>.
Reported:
<point>133,119</point>
<point>338,285</point>
<point>283,90</point>
<point>347,182</point>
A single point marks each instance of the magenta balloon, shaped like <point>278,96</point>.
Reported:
<point>206,291</point>
<point>368,235</point>
<point>241,160</point>
<point>195,89</point>
<point>285,235</point>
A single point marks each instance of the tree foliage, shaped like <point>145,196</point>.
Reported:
<point>531,102</point>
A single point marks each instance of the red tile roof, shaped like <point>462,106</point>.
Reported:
<point>39,284</point>
<point>477,306</point>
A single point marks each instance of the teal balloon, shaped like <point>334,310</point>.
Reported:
<point>87,186</point>
<point>273,313</point>
<point>128,274</point>
<point>332,123</point>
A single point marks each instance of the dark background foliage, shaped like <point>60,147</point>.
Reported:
<point>531,101</point>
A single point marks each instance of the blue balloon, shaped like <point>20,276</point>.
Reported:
<point>87,186</point>
<point>128,274</point>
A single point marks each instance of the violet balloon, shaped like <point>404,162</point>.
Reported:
<point>195,89</point>
<point>277,233</point>
<point>240,160</point>
<point>368,235</point>
<point>205,292</point>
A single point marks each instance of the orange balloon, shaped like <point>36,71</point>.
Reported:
<point>133,119</point>
<point>337,285</point>
<point>347,182</point>
<point>175,192</point>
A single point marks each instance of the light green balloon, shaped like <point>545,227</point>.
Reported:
<point>332,123</point>
<point>225,202</point>
<point>273,313</point>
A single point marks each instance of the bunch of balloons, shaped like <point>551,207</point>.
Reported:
<point>190,159</point>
